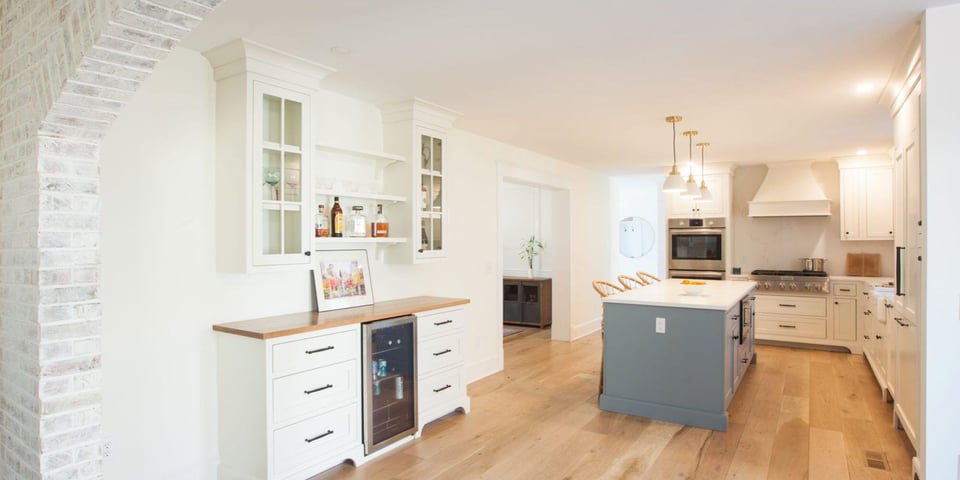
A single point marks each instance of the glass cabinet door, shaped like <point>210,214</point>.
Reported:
<point>280,216</point>
<point>431,208</point>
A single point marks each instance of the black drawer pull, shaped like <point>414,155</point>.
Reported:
<point>438,390</point>
<point>318,389</point>
<point>787,326</point>
<point>443,322</point>
<point>899,321</point>
<point>318,437</point>
<point>442,353</point>
<point>866,337</point>
<point>844,289</point>
<point>879,337</point>
<point>787,305</point>
<point>324,349</point>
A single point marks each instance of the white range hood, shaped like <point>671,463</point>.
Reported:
<point>789,190</point>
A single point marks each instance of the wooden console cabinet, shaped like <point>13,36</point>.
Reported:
<point>527,301</point>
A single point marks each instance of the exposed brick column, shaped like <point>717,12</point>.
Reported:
<point>67,67</point>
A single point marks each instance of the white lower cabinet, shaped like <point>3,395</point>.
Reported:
<point>442,386</point>
<point>289,407</point>
<point>791,318</point>
<point>907,394</point>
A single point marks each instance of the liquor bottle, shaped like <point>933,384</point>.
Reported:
<point>321,224</point>
<point>336,218</point>
<point>380,228</point>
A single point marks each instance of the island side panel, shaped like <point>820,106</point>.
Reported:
<point>677,376</point>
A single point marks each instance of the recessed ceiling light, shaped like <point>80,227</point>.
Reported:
<point>338,50</point>
<point>864,88</point>
<point>861,152</point>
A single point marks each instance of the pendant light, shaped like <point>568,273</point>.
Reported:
<point>690,188</point>
<point>705,195</point>
<point>674,182</point>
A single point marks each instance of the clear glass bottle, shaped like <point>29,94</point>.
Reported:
<point>380,228</point>
<point>321,224</point>
<point>357,223</point>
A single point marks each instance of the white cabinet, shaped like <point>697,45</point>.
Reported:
<point>845,311</point>
<point>442,387</point>
<point>908,218</point>
<point>289,407</point>
<point>264,206</point>
<point>907,394</point>
<point>866,199</point>
<point>418,130</point>
<point>719,206</point>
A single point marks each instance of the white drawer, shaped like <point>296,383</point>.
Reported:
<point>314,439</point>
<point>791,328</point>
<point>435,324</point>
<point>441,352</point>
<point>313,352</point>
<point>438,389</point>
<point>315,390</point>
<point>844,289</point>
<point>787,305</point>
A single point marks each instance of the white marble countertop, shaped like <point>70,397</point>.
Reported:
<point>717,295</point>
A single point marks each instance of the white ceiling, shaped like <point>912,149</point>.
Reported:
<point>590,82</point>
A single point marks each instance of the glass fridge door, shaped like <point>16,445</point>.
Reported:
<point>390,401</point>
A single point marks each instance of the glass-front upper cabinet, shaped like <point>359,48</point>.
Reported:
<point>431,211</point>
<point>281,219</point>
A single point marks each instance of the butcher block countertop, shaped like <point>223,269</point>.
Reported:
<point>294,323</point>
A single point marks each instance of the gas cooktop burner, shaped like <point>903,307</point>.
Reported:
<point>790,281</point>
<point>788,273</point>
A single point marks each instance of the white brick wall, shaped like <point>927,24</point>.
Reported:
<point>66,69</point>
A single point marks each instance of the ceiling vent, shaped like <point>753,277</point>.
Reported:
<point>789,190</point>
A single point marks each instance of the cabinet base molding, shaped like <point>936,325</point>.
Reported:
<point>815,344</point>
<point>440,411</point>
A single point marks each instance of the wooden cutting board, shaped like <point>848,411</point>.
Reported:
<point>863,264</point>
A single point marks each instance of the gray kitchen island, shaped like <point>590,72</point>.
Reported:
<point>674,356</point>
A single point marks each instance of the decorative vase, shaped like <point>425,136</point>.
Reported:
<point>530,272</point>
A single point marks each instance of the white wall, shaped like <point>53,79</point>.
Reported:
<point>941,360</point>
<point>780,242</point>
<point>638,196</point>
<point>161,291</point>
<point>526,210</point>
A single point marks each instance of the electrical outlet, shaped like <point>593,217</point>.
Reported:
<point>661,325</point>
<point>106,448</point>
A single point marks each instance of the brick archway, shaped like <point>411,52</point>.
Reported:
<point>67,67</point>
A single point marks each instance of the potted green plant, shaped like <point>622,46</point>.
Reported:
<point>529,250</point>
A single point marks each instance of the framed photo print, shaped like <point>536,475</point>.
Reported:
<point>342,279</point>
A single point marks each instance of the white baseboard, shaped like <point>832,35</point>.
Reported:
<point>586,328</point>
<point>476,370</point>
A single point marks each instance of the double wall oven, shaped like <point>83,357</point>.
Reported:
<point>696,248</point>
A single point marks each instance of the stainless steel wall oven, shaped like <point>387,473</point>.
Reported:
<point>696,248</point>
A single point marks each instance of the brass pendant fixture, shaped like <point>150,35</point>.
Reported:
<point>690,189</point>
<point>674,182</point>
<point>705,194</point>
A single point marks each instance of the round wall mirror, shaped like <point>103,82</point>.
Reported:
<point>636,237</point>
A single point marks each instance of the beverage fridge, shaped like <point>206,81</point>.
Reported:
<point>390,390</point>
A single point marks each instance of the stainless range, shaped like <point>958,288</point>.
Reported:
<point>790,281</point>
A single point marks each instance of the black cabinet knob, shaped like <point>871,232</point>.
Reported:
<point>307,253</point>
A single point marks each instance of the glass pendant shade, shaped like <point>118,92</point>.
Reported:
<point>705,195</point>
<point>690,189</point>
<point>674,182</point>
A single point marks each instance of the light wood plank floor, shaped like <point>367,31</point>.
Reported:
<point>798,414</point>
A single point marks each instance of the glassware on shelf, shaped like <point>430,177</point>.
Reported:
<point>271,176</point>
